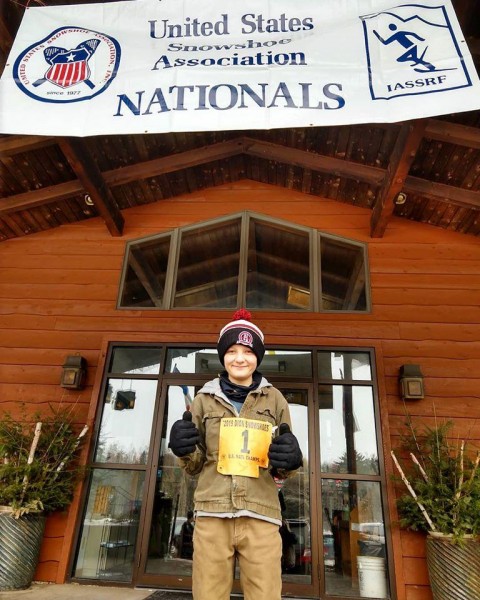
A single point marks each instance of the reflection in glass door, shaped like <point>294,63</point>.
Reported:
<point>109,531</point>
<point>294,496</point>
<point>354,545</point>
<point>170,544</point>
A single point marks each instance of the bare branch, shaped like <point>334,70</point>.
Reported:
<point>412,492</point>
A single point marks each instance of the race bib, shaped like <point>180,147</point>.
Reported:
<point>243,446</point>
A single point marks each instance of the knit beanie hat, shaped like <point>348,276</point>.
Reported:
<point>241,331</point>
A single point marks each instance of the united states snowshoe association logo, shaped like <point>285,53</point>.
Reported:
<point>70,65</point>
<point>412,49</point>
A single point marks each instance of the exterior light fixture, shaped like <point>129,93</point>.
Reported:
<point>73,373</point>
<point>400,198</point>
<point>411,382</point>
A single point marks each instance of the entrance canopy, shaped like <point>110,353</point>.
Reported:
<point>152,66</point>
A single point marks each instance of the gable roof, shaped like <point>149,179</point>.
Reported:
<point>433,163</point>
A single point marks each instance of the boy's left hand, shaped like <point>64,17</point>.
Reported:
<point>284,451</point>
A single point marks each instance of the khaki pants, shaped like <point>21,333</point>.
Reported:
<point>256,543</point>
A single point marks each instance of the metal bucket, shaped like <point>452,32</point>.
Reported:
<point>20,541</point>
<point>454,569</point>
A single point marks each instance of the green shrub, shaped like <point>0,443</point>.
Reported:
<point>444,475</point>
<point>45,479</point>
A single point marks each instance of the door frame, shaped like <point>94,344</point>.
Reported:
<point>378,384</point>
<point>142,578</point>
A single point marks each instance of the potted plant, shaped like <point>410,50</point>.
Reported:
<point>38,474</point>
<point>443,499</point>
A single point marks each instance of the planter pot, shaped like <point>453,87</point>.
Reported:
<point>454,570</point>
<point>19,549</point>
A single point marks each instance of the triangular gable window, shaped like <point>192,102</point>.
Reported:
<point>245,260</point>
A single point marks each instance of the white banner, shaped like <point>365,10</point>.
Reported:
<point>151,66</point>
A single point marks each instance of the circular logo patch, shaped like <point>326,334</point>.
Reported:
<point>245,338</point>
<point>70,65</point>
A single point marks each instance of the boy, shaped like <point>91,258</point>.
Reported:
<point>227,440</point>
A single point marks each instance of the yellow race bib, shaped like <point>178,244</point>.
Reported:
<point>243,446</point>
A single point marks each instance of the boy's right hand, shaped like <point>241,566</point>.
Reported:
<point>184,436</point>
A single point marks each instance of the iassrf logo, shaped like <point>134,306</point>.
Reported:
<point>69,65</point>
<point>412,49</point>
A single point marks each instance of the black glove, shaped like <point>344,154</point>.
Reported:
<point>284,451</point>
<point>184,436</point>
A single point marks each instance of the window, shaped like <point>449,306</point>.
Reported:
<point>208,263</point>
<point>245,260</point>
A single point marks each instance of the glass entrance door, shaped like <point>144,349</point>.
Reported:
<point>295,500</point>
<point>354,562</point>
<point>168,554</point>
<point>137,524</point>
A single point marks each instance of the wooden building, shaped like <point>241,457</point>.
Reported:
<point>356,250</point>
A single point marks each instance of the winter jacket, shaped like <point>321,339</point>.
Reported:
<point>220,493</point>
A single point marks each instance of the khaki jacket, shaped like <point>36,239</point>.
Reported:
<point>220,493</point>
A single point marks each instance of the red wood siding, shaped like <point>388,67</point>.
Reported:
<point>58,292</point>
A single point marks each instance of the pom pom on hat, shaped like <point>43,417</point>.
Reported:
<point>241,331</point>
<point>242,314</point>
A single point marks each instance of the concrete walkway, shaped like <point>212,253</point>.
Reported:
<point>73,591</point>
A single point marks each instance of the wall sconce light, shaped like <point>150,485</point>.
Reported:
<point>73,373</point>
<point>400,198</point>
<point>411,382</point>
